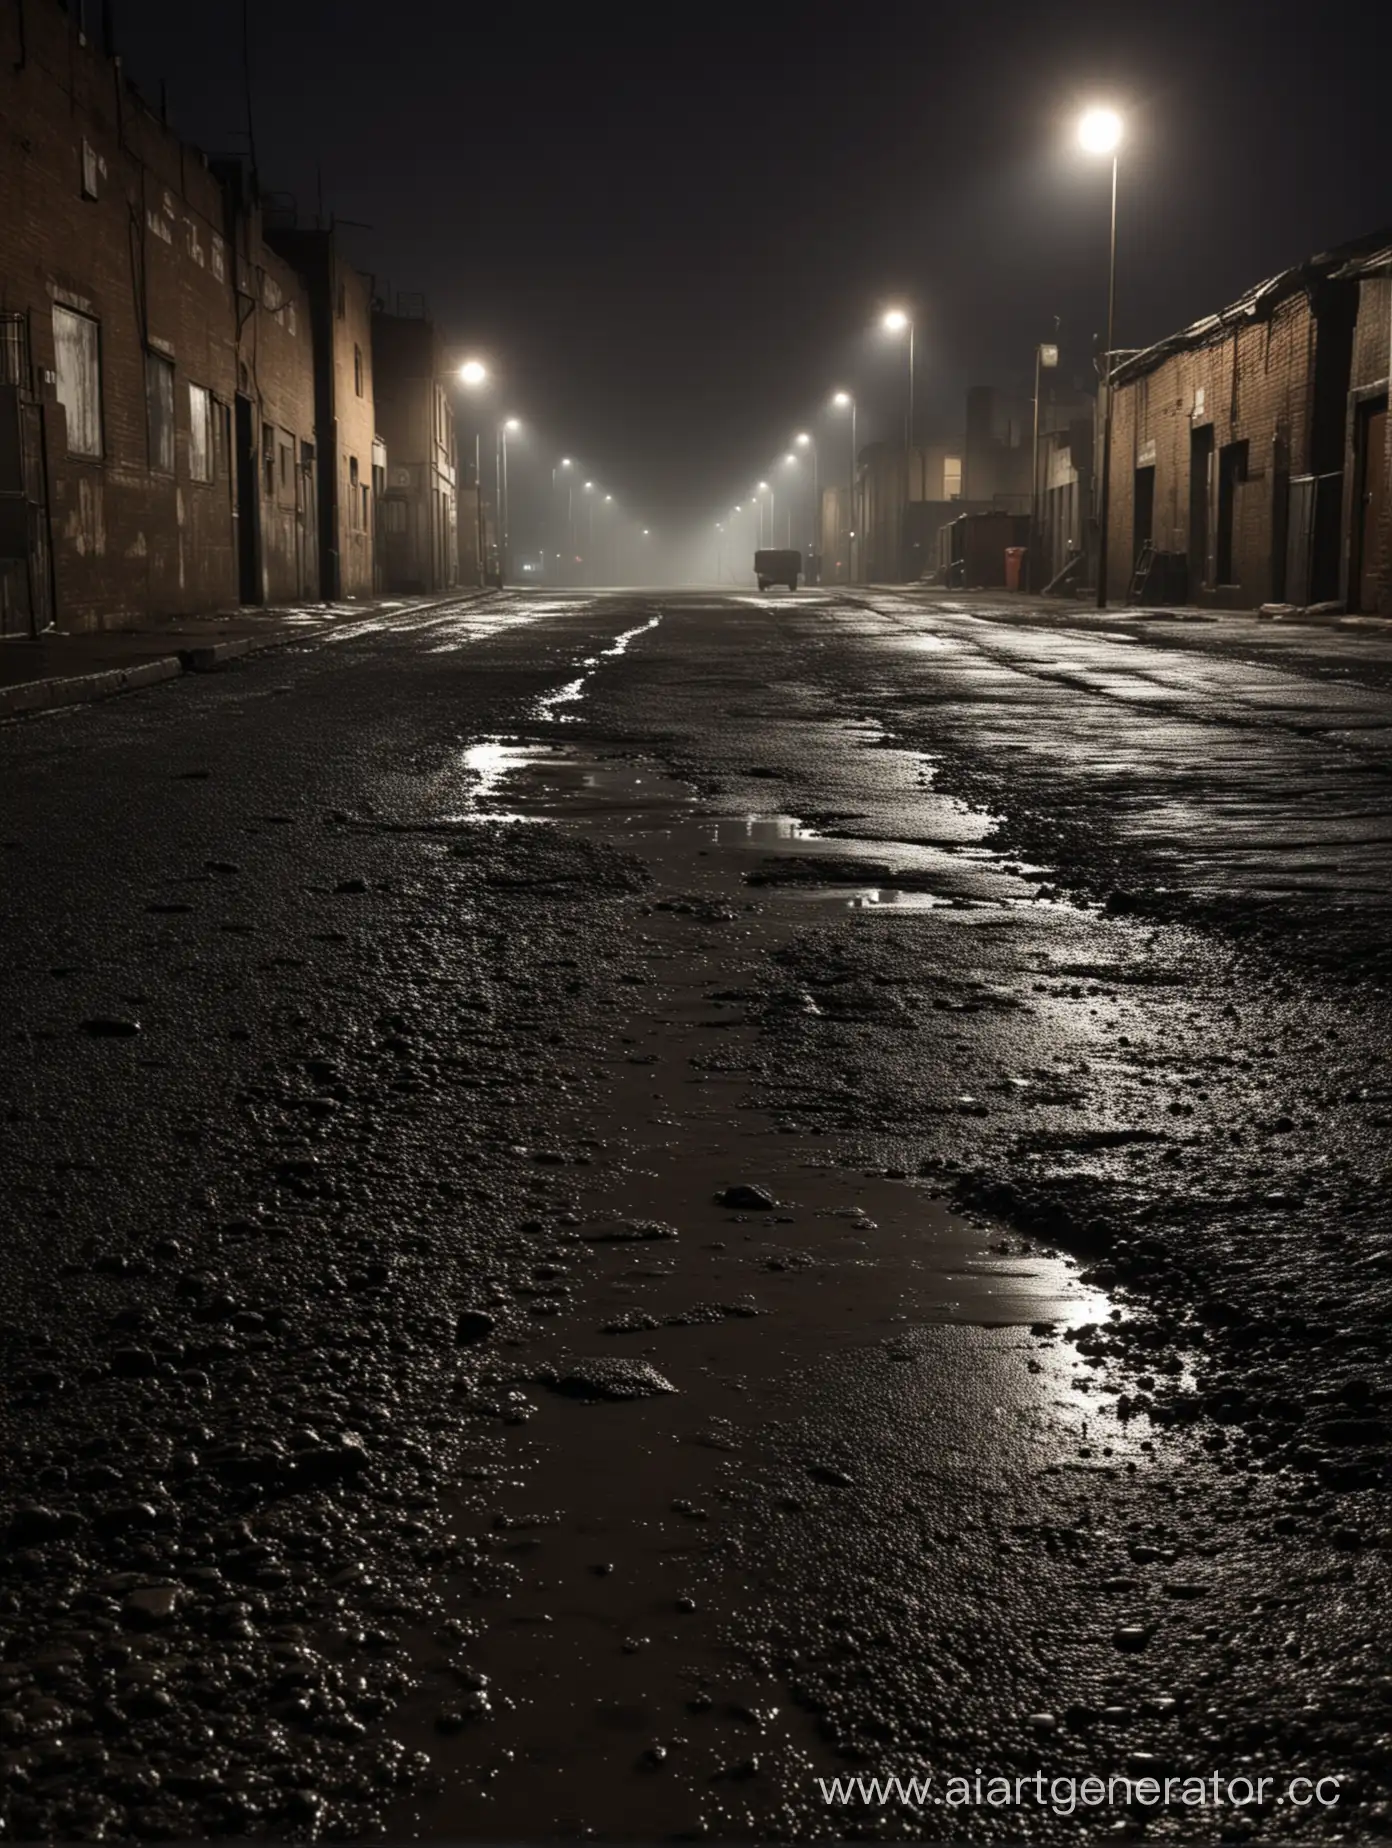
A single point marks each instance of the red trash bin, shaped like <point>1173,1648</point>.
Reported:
<point>1014,566</point>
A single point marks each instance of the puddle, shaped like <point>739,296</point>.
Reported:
<point>548,707</point>
<point>601,1609</point>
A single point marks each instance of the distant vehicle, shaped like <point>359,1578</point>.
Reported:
<point>777,568</point>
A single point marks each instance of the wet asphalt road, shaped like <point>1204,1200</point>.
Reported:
<point>410,1437</point>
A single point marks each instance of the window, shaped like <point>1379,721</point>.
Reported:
<point>77,349</point>
<point>159,412</point>
<point>92,165</point>
<point>353,493</point>
<point>287,455</point>
<point>201,436</point>
<point>393,516</point>
<point>268,449</point>
<point>952,478</point>
<point>358,370</point>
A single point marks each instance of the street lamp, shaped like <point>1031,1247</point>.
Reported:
<point>897,321</point>
<point>565,463</point>
<point>473,376</point>
<point>1100,132</point>
<point>841,401</point>
<point>764,488</point>
<point>805,440</point>
<point>504,561</point>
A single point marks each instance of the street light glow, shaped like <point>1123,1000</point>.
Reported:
<point>802,439</point>
<point>763,487</point>
<point>608,497</point>
<point>565,461</point>
<point>895,321</point>
<point>790,457</point>
<point>513,423</point>
<point>473,372</point>
<point>588,486</point>
<point>1099,131</point>
<point>841,400</point>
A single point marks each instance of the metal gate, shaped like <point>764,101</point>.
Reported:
<point>26,566</point>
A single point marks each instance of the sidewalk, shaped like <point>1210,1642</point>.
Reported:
<point>53,669</point>
<point>1034,605</point>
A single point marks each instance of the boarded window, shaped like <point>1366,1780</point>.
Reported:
<point>358,370</point>
<point>200,433</point>
<point>77,350</point>
<point>159,412</point>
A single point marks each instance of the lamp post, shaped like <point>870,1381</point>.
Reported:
<point>805,440</point>
<point>564,463</point>
<point>1099,132</point>
<point>764,488</point>
<point>845,400</point>
<point>473,375</point>
<point>790,461</point>
<point>1044,356</point>
<point>504,555</point>
<point>896,321</point>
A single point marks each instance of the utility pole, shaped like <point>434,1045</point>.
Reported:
<point>1044,356</point>
<point>1108,368</point>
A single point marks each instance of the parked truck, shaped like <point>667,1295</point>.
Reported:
<point>777,568</point>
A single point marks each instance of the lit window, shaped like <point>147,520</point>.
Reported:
<point>952,478</point>
<point>77,350</point>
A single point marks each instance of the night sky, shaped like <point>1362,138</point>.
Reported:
<point>672,229</point>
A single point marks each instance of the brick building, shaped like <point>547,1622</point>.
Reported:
<point>118,347</point>
<point>418,527</point>
<point>274,436</point>
<point>351,458</point>
<point>1236,443</point>
<point>1367,497</point>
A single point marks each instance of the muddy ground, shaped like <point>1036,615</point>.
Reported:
<point>413,1433</point>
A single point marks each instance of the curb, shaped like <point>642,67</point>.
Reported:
<point>31,696</point>
<point>46,695</point>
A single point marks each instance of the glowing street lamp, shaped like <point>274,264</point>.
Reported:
<point>509,424</point>
<point>805,440</point>
<point>473,373</point>
<point>841,401</point>
<point>898,321</point>
<point>1100,132</point>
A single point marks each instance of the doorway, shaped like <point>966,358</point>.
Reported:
<point>1143,504</point>
<point>1370,506</point>
<point>1200,502</point>
<point>249,586</point>
<point>1232,469</point>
